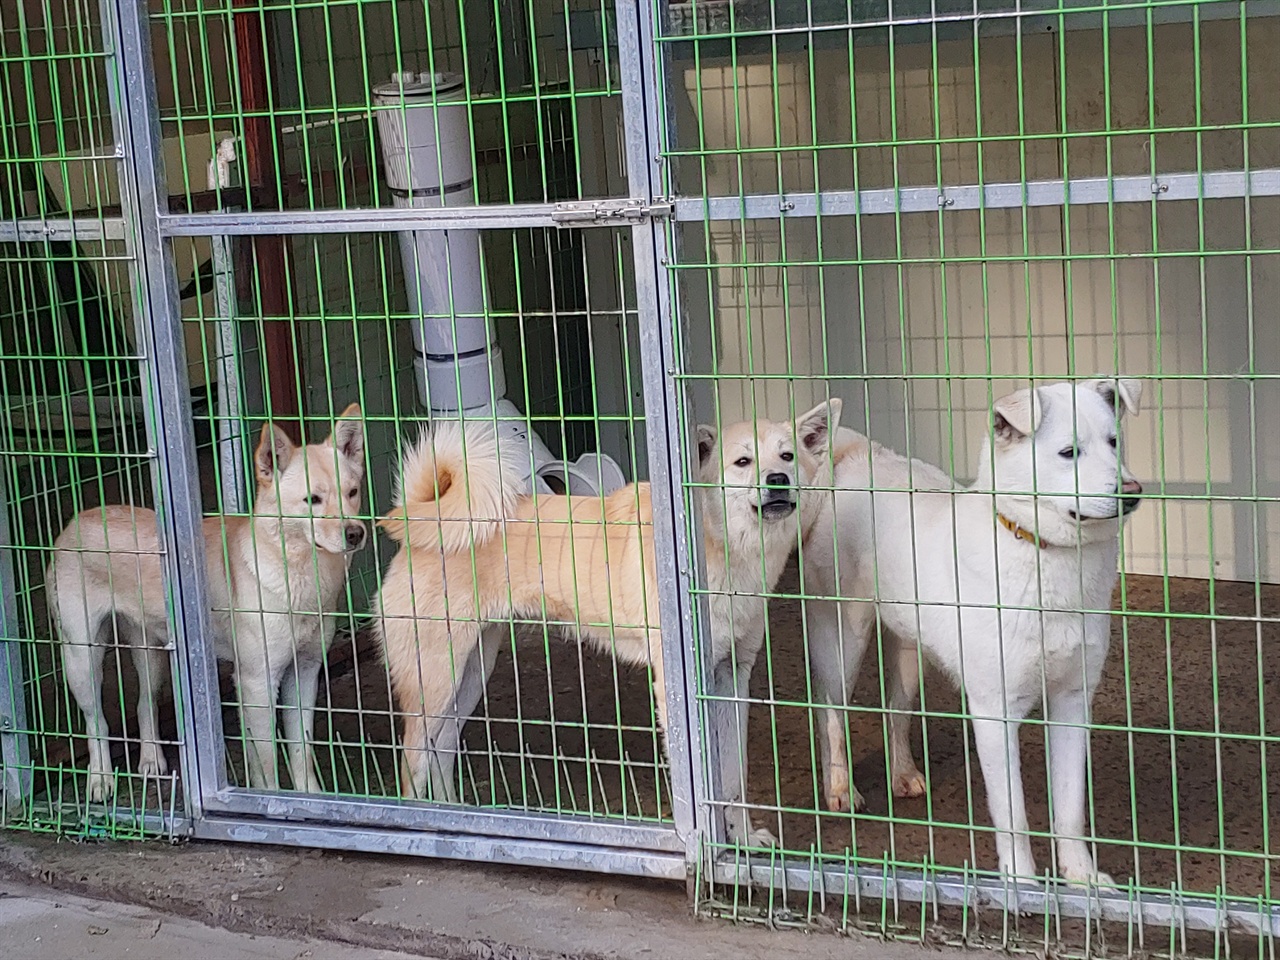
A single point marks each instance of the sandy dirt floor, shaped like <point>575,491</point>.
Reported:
<point>1182,761</point>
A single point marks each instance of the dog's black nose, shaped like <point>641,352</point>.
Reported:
<point>1130,496</point>
<point>777,480</point>
<point>355,536</point>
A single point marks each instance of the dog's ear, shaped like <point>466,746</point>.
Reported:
<point>275,450</point>
<point>706,443</point>
<point>1123,394</point>
<point>348,437</point>
<point>816,428</point>
<point>1017,415</point>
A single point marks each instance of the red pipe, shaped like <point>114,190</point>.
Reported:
<point>269,253</point>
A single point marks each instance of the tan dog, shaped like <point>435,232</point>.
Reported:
<point>479,551</point>
<point>275,579</point>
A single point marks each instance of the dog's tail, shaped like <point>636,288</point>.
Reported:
<point>455,488</point>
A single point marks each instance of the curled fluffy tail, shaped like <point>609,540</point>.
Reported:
<point>454,490</point>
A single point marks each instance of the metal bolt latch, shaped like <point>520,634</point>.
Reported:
<point>608,213</point>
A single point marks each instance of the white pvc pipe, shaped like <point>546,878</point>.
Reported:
<point>426,146</point>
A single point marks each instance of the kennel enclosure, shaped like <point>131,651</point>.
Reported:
<point>690,212</point>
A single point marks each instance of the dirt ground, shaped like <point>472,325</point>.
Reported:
<point>1153,788</point>
<point>1177,767</point>
<point>1187,763</point>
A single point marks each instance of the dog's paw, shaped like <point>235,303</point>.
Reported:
<point>910,784</point>
<point>1077,867</point>
<point>740,832</point>
<point>102,786</point>
<point>151,763</point>
<point>845,800</point>
<point>1025,873</point>
<point>1089,878</point>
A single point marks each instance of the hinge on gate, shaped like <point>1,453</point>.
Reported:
<point>608,213</point>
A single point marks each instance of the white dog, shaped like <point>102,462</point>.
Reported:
<point>477,551</point>
<point>272,615</point>
<point>1005,593</point>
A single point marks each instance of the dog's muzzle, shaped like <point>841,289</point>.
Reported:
<point>355,535</point>
<point>1130,496</point>
<point>776,504</point>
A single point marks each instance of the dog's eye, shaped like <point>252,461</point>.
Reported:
<point>314,499</point>
<point>788,456</point>
<point>742,462</point>
<point>1069,453</point>
<point>1112,442</point>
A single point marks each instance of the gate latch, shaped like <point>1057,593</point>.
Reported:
<point>608,213</point>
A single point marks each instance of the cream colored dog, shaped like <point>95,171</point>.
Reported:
<point>479,551</point>
<point>275,579</point>
<point>1005,586</point>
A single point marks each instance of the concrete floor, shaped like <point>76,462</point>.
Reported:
<point>39,923</point>
<point>152,900</point>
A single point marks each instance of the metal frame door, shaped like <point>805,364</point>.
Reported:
<point>848,880</point>
<point>218,810</point>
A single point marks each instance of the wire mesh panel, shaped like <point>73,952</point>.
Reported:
<point>921,210</point>
<point>77,756</point>
<point>296,353</point>
<point>298,86</point>
<point>306,364</point>
<point>557,728</point>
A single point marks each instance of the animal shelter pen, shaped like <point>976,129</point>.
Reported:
<point>681,213</point>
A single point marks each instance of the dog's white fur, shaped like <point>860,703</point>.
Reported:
<point>275,579</point>
<point>947,577</point>
<point>478,551</point>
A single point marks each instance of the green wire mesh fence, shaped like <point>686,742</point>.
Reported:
<point>73,428</point>
<point>918,210</point>
<point>595,226</point>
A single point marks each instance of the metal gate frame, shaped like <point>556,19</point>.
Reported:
<point>684,849</point>
<point>216,810</point>
<point>825,879</point>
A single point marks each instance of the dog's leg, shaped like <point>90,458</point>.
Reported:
<point>997,742</point>
<point>906,780</point>
<point>258,684</point>
<point>731,711</point>
<point>413,758</point>
<point>82,660</point>
<point>402,638</point>
<point>152,664</point>
<point>836,656</point>
<point>446,652</point>
<point>258,716</point>
<point>298,691</point>
<point>471,682</point>
<point>1067,713</point>
<point>659,684</point>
